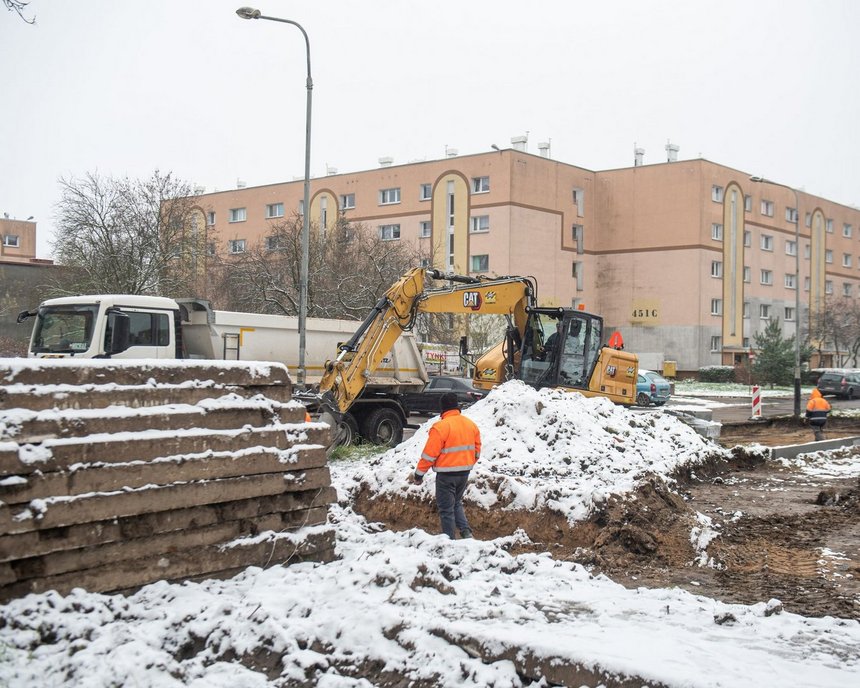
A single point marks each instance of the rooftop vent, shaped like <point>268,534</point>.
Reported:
<point>638,156</point>
<point>385,162</point>
<point>543,148</point>
<point>330,169</point>
<point>520,143</point>
<point>240,184</point>
<point>672,151</point>
<point>451,152</point>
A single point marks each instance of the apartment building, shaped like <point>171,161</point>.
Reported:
<point>17,240</point>
<point>687,259</point>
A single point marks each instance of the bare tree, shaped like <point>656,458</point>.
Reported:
<point>125,236</point>
<point>18,6</point>
<point>836,327</point>
<point>349,268</point>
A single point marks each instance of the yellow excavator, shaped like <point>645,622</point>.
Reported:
<point>543,347</point>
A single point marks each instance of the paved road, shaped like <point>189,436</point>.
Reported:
<point>737,409</point>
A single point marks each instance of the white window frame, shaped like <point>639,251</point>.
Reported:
<point>747,203</point>
<point>578,235</point>
<point>747,274</point>
<point>766,277</point>
<point>11,241</point>
<point>476,259</point>
<point>790,247</point>
<point>716,306</point>
<point>828,225</point>
<point>766,242</point>
<point>791,215</point>
<point>764,311</point>
<point>390,232</point>
<point>789,280</point>
<point>389,196</point>
<point>274,210</point>
<point>210,218</point>
<point>579,201</point>
<point>480,185</point>
<point>425,192</point>
<point>273,242</point>
<point>767,208</point>
<point>847,230</point>
<point>846,289</point>
<point>788,314</point>
<point>747,238</point>
<point>716,343</point>
<point>746,310</point>
<point>479,224</point>
<point>236,246</point>
<point>828,255</point>
<point>425,229</point>
<point>846,260</point>
<point>717,231</point>
<point>717,193</point>
<point>828,286</point>
<point>716,268</point>
<point>238,214</point>
<point>347,201</point>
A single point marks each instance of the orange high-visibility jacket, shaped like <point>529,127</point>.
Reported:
<point>817,408</point>
<point>454,445</point>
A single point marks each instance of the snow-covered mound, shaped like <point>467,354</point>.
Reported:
<point>549,449</point>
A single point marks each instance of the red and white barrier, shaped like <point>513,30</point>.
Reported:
<point>756,401</point>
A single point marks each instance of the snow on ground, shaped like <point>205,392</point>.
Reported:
<point>413,605</point>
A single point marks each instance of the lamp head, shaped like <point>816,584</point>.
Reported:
<point>757,179</point>
<point>248,13</point>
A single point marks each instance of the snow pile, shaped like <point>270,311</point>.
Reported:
<point>550,449</point>
<point>837,463</point>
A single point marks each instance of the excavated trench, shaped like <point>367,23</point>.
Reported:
<point>777,533</point>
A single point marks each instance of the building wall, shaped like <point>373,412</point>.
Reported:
<point>637,245</point>
<point>17,240</point>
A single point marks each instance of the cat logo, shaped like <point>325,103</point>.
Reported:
<point>472,300</point>
<point>611,370</point>
<point>490,297</point>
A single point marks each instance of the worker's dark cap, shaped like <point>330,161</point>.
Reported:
<point>448,401</point>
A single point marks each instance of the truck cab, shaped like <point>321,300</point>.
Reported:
<point>127,326</point>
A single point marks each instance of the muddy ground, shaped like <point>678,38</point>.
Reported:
<point>780,534</point>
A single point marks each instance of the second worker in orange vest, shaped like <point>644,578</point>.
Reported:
<point>451,450</point>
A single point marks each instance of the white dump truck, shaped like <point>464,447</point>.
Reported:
<point>127,326</point>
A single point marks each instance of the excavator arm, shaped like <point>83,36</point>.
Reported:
<point>395,313</point>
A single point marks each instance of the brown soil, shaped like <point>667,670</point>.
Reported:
<point>780,534</point>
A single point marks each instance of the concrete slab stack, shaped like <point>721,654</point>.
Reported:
<point>116,474</point>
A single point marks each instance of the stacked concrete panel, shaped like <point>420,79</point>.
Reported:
<point>116,474</point>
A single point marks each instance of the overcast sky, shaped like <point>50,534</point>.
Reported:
<point>126,87</point>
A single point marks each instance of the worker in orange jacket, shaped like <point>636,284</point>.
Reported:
<point>452,448</point>
<point>817,409</point>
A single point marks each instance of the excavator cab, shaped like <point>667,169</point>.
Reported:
<point>561,348</point>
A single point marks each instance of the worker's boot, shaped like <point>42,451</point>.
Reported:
<point>466,534</point>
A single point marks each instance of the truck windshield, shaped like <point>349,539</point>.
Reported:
<point>64,329</point>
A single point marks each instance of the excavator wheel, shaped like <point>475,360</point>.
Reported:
<point>344,431</point>
<point>383,427</point>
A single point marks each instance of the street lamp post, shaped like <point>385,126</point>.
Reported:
<point>796,288</point>
<point>251,13</point>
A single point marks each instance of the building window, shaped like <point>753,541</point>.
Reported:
<point>828,286</point>
<point>480,263</point>
<point>347,201</point>
<point>767,208</point>
<point>425,192</point>
<point>789,280</point>
<point>717,194</point>
<point>846,260</point>
<point>716,306</point>
<point>425,263</point>
<point>829,226</point>
<point>717,231</point>
<point>846,230</point>
<point>747,274</point>
<point>275,210</point>
<point>746,343</point>
<point>716,343</point>
<point>806,251</point>
<point>748,203</point>
<point>788,315</point>
<point>746,309</point>
<point>808,220</point>
<point>846,289</point>
<point>479,223</point>
<point>805,284</point>
<point>766,242</point>
<point>211,249</point>
<point>273,243</point>
<point>766,277</point>
<point>389,232</point>
<point>578,232</point>
<point>425,229</point>
<point>389,196</point>
<point>11,240</point>
<point>237,215</point>
<point>791,215</point>
<point>237,245</point>
<point>764,311</point>
<point>716,268</point>
<point>828,256</point>
<point>577,273</point>
<point>790,248</point>
<point>480,184</point>
<point>747,238</point>
<point>210,218</point>
<point>579,201</point>
<point>301,207</point>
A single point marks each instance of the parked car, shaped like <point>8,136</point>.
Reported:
<point>845,384</point>
<point>652,388</point>
<point>427,402</point>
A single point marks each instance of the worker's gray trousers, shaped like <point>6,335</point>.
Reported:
<point>449,500</point>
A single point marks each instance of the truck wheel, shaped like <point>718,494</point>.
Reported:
<point>383,427</point>
<point>643,399</point>
<point>348,430</point>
